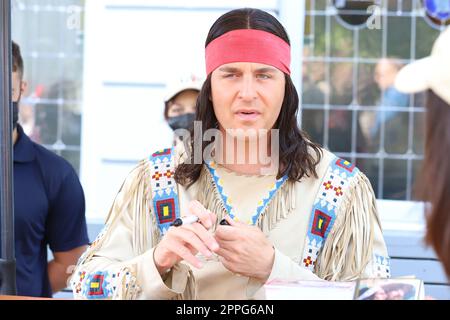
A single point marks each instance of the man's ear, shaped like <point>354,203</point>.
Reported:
<point>23,88</point>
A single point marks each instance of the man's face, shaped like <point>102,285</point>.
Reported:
<point>247,95</point>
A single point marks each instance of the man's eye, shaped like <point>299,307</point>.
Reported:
<point>230,75</point>
<point>263,76</point>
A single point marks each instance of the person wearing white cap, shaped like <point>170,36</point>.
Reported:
<point>433,74</point>
<point>180,102</point>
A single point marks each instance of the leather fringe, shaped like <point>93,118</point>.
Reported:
<point>347,250</point>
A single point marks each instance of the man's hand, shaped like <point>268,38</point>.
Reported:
<point>184,242</point>
<point>245,250</point>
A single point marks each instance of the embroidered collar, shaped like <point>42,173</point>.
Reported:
<point>262,204</point>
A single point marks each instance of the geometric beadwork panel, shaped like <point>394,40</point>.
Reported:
<point>332,190</point>
<point>164,188</point>
<point>166,211</point>
<point>320,223</point>
<point>310,253</point>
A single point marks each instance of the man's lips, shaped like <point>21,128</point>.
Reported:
<point>247,115</point>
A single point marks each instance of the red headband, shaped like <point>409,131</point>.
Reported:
<point>248,45</point>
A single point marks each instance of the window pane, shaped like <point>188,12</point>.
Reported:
<point>369,139</point>
<point>417,166</point>
<point>400,6</point>
<point>74,159</point>
<point>419,133</point>
<point>370,168</point>
<point>357,81</point>
<point>50,34</point>
<point>396,132</point>
<point>368,90</point>
<point>340,128</point>
<point>319,36</point>
<point>71,125</point>
<point>314,83</point>
<point>46,126</point>
<point>399,37</point>
<point>425,37</point>
<point>309,36</point>
<point>341,40</point>
<point>321,4</point>
<point>370,43</point>
<point>312,123</point>
<point>341,83</point>
<point>71,68</point>
<point>394,184</point>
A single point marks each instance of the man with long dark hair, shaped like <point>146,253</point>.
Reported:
<point>260,202</point>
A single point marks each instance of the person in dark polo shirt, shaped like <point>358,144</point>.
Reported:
<point>49,208</point>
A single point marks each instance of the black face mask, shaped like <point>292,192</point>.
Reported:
<point>185,121</point>
<point>16,110</point>
<point>15,113</point>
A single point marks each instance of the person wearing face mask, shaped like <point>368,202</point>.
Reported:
<point>49,207</point>
<point>180,103</point>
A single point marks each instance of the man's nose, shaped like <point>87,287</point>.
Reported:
<point>247,90</point>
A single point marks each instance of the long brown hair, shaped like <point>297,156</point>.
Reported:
<point>296,160</point>
<point>434,184</point>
